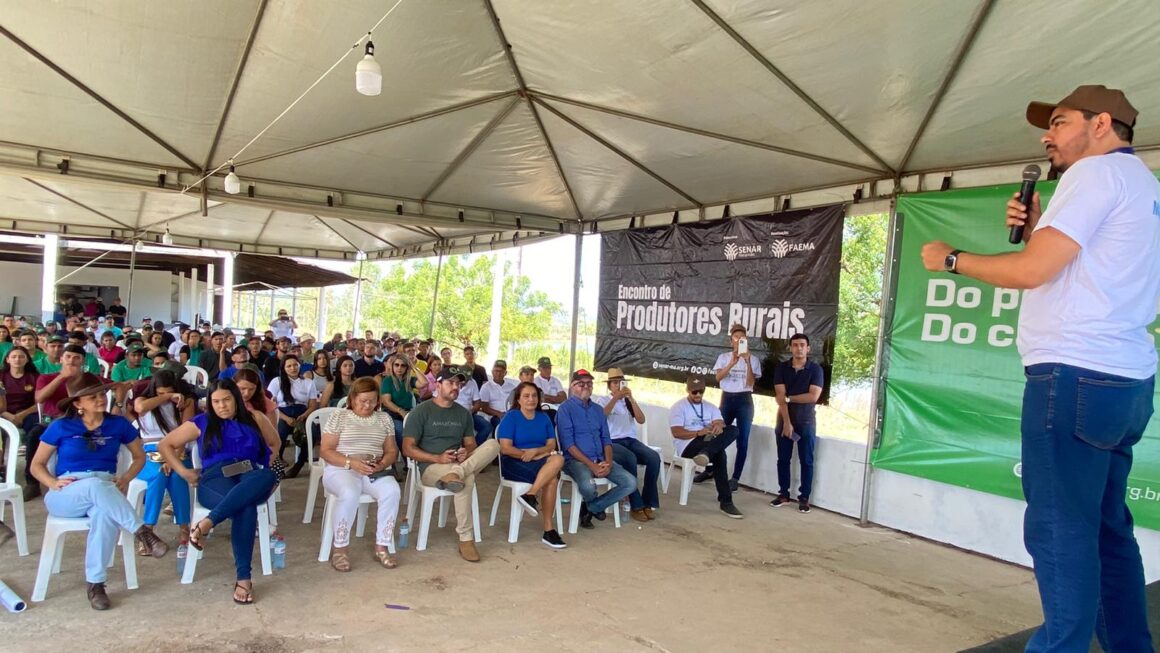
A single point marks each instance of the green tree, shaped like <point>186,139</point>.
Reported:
<point>860,298</point>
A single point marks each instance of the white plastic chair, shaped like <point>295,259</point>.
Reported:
<point>319,417</point>
<point>517,511</point>
<point>364,502</point>
<point>52,548</point>
<point>574,512</point>
<point>642,435</point>
<point>688,471</point>
<point>197,376</point>
<point>106,369</point>
<point>200,512</point>
<point>341,403</point>
<point>429,495</point>
<point>10,490</point>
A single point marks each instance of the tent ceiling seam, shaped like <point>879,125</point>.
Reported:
<point>960,56</point>
<point>78,203</point>
<point>369,233</point>
<point>380,128</point>
<point>96,96</point>
<point>506,46</point>
<point>264,225</point>
<point>472,145</point>
<point>336,233</point>
<point>784,79</point>
<point>622,154</point>
<point>234,84</point>
<point>702,132</point>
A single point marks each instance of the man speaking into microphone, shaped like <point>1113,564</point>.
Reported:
<point>1091,271</point>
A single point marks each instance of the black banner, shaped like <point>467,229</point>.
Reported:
<point>668,295</point>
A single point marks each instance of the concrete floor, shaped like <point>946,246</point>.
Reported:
<point>693,580</point>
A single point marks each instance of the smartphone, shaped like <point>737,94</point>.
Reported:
<point>743,346</point>
<point>235,469</point>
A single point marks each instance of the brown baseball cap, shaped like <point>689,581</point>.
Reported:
<point>694,383</point>
<point>1093,98</point>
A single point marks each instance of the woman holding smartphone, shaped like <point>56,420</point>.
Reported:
<point>236,446</point>
<point>358,445</point>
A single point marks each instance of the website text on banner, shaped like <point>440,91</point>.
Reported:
<point>954,381</point>
<point>668,295</point>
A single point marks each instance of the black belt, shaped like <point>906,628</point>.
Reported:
<point>736,394</point>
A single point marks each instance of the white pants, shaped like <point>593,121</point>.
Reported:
<point>93,495</point>
<point>349,486</point>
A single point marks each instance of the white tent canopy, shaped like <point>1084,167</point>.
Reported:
<point>598,111</point>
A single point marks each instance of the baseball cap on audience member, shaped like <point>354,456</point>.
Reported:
<point>581,375</point>
<point>694,383</point>
<point>499,362</point>
<point>544,362</point>
<point>452,371</point>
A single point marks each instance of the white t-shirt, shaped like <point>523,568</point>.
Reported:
<point>468,393</point>
<point>497,396</point>
<point>691,418</point>
<point>147,424</point>
<point>282,329</point>
<point>175,349</point>
<point>301,390</point>
<point>1095,313</point>
<point>621,423</point>
<point>549,386</point>
<point>734,381</point>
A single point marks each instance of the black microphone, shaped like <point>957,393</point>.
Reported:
<point>1026,192</point>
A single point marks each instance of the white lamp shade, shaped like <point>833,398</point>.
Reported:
<point>166,238</point>
<point>368,76</point>
<point>233,184</point>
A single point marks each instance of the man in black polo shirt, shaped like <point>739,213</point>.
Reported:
<point>272,366</point>
<point>798,383</point>
<point>368,365</point>
<point>477,372</point>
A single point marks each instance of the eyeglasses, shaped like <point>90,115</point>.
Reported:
<point>402,365</point>
<point>583,384</point>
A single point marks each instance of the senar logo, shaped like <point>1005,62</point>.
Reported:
<point>731,252</point>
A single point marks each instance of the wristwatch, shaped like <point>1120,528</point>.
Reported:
<point>347,465</point>
<point>951,261</point>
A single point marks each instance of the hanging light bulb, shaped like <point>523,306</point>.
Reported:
<point>368,75</point>
<point>167,238</point>
<point>233,184</point>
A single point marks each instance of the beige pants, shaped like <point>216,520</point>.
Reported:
<point>479,459</point>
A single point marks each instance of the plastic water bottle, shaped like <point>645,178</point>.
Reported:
<point>279,549</point>
<point>182,553</point>
<point>404,534</point>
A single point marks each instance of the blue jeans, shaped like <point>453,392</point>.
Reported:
<point>93,495</point>
<point>623,484</point>
<point>482,427</point>
<point>738,406</point>
<point>1078,430</point>
<point>629,453</point>
<point>158,484</point>
<point>285,430</point>
<point>808,439</point>
<point>715,450</point>
<point>237,498</point>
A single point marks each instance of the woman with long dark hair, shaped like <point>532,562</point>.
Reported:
<point>236,447</point>
<point>527,444</point>
<point>321,373</point>
<point>343,378</point>
<point>6,342</point>
<point>85,482</point>
<point>296,398</point>
<point>18,376</point>
<point>249,382</point>
<point>165,404</point>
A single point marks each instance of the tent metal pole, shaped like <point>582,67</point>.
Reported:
<point>320,311</point>
<point>99,257</point>
<point>435,297</point>
<point>254,310</point>
<point>575,303</point>
<point>874,428</point>
<point>48,281</point>
<point>357,297</point>
<point>132,268</point>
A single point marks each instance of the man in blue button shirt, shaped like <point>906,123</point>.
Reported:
<point>587,446</point>
<point>798,383</point>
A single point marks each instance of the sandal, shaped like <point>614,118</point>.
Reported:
<point>386,559</point>
<point>249,594</point>
<point>195,535</point>
<point>340,560</point>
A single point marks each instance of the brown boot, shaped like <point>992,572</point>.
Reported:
<point>149,541</point>
<point>467,551</point>
<point>97,596</point>
<point>451,483</point>
<point>639,515</point>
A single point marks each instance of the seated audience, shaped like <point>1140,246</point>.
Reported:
<point>398,391</point>
<point>434,369</point>
<point>166,403</point>
<point>623,415</point>
<point>236,448</point>
<point>527,444</point>
<point>700,433</point>
<point>495,396</point>
<point>468,397</point>
<point>358,445</point>
<point>18,377</point>
<point>296,398</point>
<point>338,387</point>
<point>551,387</point>
<point>368,364</point>
<point>249,382</point>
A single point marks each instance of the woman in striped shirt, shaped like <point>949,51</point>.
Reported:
<point>358,445</point>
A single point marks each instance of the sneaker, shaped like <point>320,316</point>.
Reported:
<point>732,485</point>
<point>552,539</point>
<point>780,500</point>
<point>701,459</point>
<point>528,508</point>
<point>585,516</point>
<point>530,499</point>
<point>731,510</point>
<point>701,477</point>
<point>602,515</point>
<point>97,596</point>
<point>803,505</point>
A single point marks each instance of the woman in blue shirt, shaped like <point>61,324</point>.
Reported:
<point>236,445</point>
<point>84,483</point>
<point>527,444</point>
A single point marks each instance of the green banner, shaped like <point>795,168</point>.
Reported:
<point>954,380</point>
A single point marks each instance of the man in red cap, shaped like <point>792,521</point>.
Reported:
<point>1092,278</point>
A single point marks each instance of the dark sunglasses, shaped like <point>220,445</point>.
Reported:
<point>697,392</point>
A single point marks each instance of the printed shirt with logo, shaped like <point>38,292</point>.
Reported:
<point>734,381</point>
<point>621,423</point>
<point>691,418</point>
<point>436,429</point>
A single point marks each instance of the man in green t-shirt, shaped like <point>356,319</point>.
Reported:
<point>440,437</point>
<point>127,372</point>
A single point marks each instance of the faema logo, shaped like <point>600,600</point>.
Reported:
<point>781,248</point>
<point>733,251</point>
